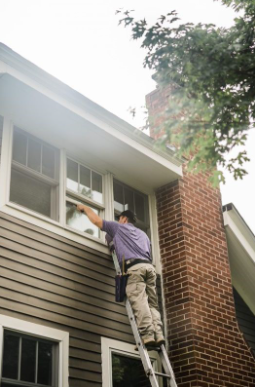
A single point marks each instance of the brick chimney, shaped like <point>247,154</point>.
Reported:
<point>206,346</point>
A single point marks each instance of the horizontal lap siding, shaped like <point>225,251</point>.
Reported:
<point>246,321</point>
<point>49,280</point>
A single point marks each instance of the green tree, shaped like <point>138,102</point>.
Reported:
<point>213,70</point>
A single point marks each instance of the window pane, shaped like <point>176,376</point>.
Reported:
<point>11,356</point>
<point>85,188</point>
<point>129,199</point>
<point>139,207</point>
<point>80,221</point>
<point>118,197</point>
<point>19,149</point>
<point>34,155</point>
<point>72,175</point>
<point>128,372</point>
<point>45,364</point>
<point>97,191</point>
<point>28,356</point>
<point>48,161</point>
<point>30,193</point>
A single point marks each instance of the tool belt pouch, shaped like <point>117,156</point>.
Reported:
<point>120,287</point>
<point>121,283</point>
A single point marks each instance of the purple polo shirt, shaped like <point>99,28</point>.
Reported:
<point>128,240</point>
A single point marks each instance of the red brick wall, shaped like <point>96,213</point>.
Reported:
<point>206,346</point>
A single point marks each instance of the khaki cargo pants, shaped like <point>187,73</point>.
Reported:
<point>142,294</point>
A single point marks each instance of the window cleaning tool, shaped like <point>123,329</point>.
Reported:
<point>149,371</point>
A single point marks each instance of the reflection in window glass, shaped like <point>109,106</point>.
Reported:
<point>118,197</point>
<point>48,161</point>
<point>19,150</point>
<point>72,175</point>
<point>129,199</point>
<point>28,357</point>
<point>34,155</point>
<point>128,372</point>
<point>84,188</point>
<point>30,193</point>
<point>11,356</point>
<point>139,205</point>
<point>80,221</point>
<point>97,190</point>
<point>45,363</point>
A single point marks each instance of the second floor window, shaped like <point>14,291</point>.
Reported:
<point>84,186</point>
<point>127,198</point>
<point>34,175</point>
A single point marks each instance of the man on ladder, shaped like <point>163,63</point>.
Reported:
<point>133,244</point>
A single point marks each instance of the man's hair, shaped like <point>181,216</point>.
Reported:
<point>129,215</point>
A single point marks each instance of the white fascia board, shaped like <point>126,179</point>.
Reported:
<point>242,233</point>
<point>26,73</point>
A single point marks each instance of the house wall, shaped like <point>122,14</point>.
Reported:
<point>206,345</point>
<point>52,281</point>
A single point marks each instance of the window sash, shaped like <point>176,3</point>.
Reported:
<point>77,192</point>
<point>54,361</point>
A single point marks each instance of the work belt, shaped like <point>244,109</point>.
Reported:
<point>134,261</point>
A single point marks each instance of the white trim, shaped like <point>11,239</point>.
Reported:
<point>6,155</point>
<point>62,187</point>
<point>243,235</point>
<point>45,332</point>
<point>108,346</point>
<point>50,225</point>
<point>154,232</point>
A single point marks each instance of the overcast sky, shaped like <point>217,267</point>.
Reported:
<point>80,43</point>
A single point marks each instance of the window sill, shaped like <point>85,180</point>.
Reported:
<point>55,227</point>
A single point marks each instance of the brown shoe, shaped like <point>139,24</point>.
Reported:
<point>149,341</point>
<point>160,340</point>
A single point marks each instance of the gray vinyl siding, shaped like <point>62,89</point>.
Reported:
<point>246,320</point>
<point>50,280</point>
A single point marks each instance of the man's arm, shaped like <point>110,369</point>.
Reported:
<point>93,217</point>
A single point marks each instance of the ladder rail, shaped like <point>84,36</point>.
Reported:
<point>146,361</point>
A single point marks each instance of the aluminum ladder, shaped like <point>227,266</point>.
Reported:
<point>147,365</point>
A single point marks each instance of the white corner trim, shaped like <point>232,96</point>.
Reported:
<point>240,234</point>
<point>108,346</point>
<point>154,232</point>
<point>45,332</point>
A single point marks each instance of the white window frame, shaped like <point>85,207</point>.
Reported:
<point>109,346</point>
<point>44,332</point>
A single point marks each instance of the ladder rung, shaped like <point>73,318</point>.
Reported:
<point>163,375</point>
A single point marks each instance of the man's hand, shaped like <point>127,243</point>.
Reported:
<point>80,207</point>
<point>93,217</point>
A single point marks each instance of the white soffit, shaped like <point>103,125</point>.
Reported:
<point>241,247</point>
<point>52,107</point>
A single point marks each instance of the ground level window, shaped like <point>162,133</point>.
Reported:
<point>122,365</point>
<point>128,372</point>
<point>28,361</point>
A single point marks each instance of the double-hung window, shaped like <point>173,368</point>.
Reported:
<point>32,355</point>
<point>85,186</point>
<point>127,198</point>
<point>34,175</point>
<point>28,361</point>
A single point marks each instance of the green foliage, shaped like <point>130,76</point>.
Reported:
<point>213,71</point>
